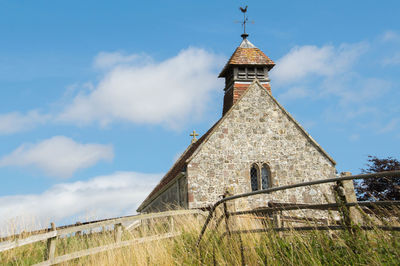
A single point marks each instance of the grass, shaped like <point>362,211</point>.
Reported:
<point>349,247</point>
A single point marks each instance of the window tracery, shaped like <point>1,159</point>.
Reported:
<point>265,177</point>
<point>260,176</point>
<point>254,177</point>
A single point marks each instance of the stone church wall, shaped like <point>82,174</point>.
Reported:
<point>175,196</point>
<point>257,130</point>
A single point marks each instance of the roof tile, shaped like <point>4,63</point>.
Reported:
<point>247,54</point>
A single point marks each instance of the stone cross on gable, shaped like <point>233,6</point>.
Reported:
<point>194,135</point>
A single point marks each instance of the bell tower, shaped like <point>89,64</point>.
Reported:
<point>246,64</point>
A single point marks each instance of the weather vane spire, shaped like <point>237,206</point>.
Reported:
<point>245,19</point>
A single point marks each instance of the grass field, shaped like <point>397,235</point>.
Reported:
<point>345,247</point>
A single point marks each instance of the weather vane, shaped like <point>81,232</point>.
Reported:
<point>245,21</point>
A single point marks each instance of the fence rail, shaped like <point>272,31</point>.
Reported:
<point>226,214</point>
<point>309,228</point>
<point>326,206</point>
<point>275,207</point>
<point>53,233</point>
<point>96,250</point>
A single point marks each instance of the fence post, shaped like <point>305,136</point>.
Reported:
<point>144,227</point>
<point>172,224</point>
<point>78,233</point>
<point>228,208</point>
<point>51,245</point>
<point>346,194</point>
<point>277,222</point>
<point>118,232</point>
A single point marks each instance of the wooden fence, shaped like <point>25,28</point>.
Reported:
<point>53,233</point>
<point>346,204</point>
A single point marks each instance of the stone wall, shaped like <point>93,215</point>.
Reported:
<point>257,130</point>
<point>175,196</point>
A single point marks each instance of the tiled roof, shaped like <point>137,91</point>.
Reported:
<point>247,54</point>
<point>176,168</point>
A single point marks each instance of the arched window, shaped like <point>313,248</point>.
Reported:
<point>254,177</point>
<point>265,177</point>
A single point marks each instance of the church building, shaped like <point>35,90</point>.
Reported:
<point>255,145</point>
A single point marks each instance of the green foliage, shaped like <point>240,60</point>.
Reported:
<point>379,188</point>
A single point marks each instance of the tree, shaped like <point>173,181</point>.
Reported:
<point>379,188</point>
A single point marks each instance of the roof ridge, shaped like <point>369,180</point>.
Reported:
<point>296,123</point>
<point>176,167</point>
<point>256,81</point>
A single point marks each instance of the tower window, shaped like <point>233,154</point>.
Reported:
<point>254,177</point>
<point>241,73</point>
<point>260,73</point>
<point>251,73</point>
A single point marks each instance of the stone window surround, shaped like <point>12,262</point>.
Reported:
<point>259,166</point>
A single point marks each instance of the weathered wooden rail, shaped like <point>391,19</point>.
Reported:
<point>276,207</point>
<point>343,204</point>
<point>52,234</point>
<point>95,250</point>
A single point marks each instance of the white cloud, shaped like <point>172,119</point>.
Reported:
<point>106,60</point>
<point>337,79</point>
<point>16,122</point>
<point>303,61</point>
<point>354,137</point>
<point>352,89</point>
<point>390,126</point>
<point>322,72</point>
<point>295,93</point>
<point>100,197</point>
<point>58,156</point>
<point>389,36</point>
<point>392,60</point>
<point>168,92</point>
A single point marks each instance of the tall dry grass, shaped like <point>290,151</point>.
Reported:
<point>348,247</point>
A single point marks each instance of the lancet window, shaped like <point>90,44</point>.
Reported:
<point>265,177</point>
<point>260,177</point>
<point>254,177</point>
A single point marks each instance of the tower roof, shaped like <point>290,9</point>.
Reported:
<point>247,54</point>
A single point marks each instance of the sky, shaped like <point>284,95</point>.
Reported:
<point>98,98</point>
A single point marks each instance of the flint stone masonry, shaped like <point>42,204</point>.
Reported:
<point>258,130</point>
<point>234,94</point>
<point>174,196</point>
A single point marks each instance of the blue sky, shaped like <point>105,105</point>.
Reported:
<point>98,98</point>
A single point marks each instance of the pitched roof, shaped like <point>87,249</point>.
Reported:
<point>247,54</point>
<point>177,167</point>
